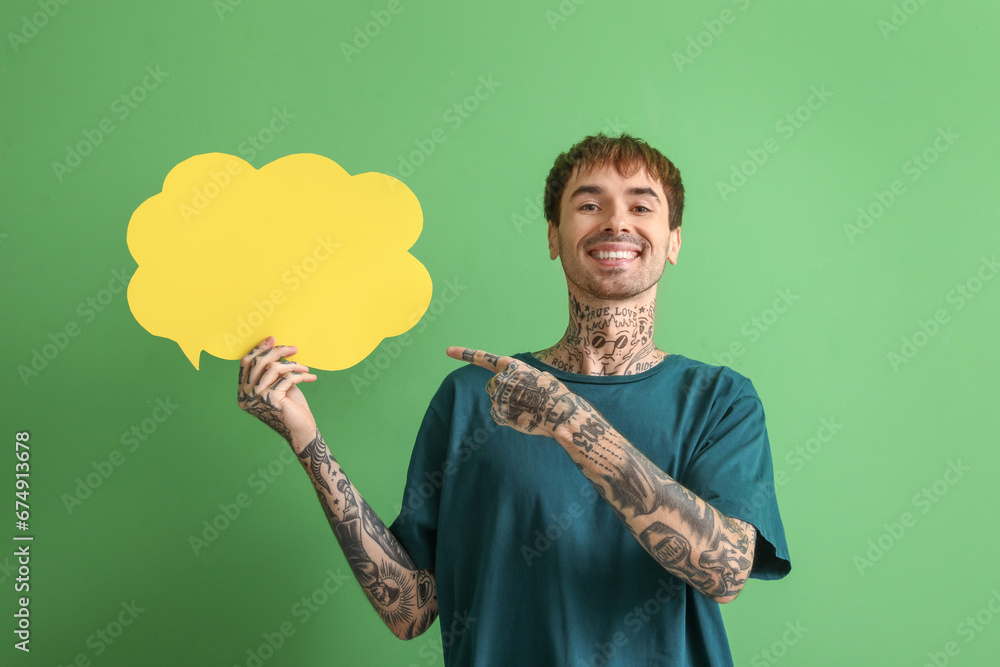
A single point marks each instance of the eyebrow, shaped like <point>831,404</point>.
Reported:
<point>598,190</point>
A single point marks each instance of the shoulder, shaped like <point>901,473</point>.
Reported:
<point>722,383</point>
<point>462,384</point>
<point>466,375</point>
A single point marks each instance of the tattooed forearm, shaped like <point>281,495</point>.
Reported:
<point>317,456</point>
<point>402,595</point>
<point>383,538</point>
<point>719,571</point>
<point>685,534</point>
<point>641,494</point>
<point>425,588</point>
<point>728,562</point>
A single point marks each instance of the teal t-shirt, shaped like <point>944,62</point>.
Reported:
<point>532,566</point>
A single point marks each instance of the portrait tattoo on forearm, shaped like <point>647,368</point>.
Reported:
<point>389,589</point>
<point>397,590</point>
<point>713,553</point>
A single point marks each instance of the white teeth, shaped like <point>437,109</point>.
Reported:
<point>617,254</point>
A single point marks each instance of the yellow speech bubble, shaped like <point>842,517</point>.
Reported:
<point>298,249</point>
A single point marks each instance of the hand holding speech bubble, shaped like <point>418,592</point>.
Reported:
<point>298,249</point>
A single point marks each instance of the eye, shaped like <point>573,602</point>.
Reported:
<point>589,207</point>
<point>641,209</point>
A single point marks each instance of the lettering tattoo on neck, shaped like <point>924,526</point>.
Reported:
<point>607,340</point>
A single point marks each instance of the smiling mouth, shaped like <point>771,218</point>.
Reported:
<point>614,254</point>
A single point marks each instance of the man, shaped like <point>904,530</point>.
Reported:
<point>596,503</point>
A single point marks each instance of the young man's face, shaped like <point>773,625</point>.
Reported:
<point>614,235</point>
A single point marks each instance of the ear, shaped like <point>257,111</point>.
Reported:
<point>553,241</point>
<point>675,245</point>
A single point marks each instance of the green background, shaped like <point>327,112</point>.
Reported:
<point>561,71</point>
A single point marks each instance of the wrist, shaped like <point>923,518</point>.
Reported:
<point>300,439</point>
<point>563,433</point>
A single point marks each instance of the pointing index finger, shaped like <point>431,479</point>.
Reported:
<point>490,362</point>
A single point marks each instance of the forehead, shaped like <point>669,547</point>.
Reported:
<point>608,179</point>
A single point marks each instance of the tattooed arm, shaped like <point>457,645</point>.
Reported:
<point>686,535</point>
<point>402,594</point>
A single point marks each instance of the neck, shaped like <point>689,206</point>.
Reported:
<point>607,338</point>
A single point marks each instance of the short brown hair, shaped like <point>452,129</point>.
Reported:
<point>627,154</point>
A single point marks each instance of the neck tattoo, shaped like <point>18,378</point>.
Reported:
<point>606,340</point>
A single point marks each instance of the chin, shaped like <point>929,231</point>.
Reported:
<point>615,293</point>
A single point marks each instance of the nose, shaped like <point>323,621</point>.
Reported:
<point>618,221</point>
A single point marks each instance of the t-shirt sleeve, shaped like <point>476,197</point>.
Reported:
<point>416,525</point>
<point>733,472</point>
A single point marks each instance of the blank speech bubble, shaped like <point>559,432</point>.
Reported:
<point>298,249</point>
